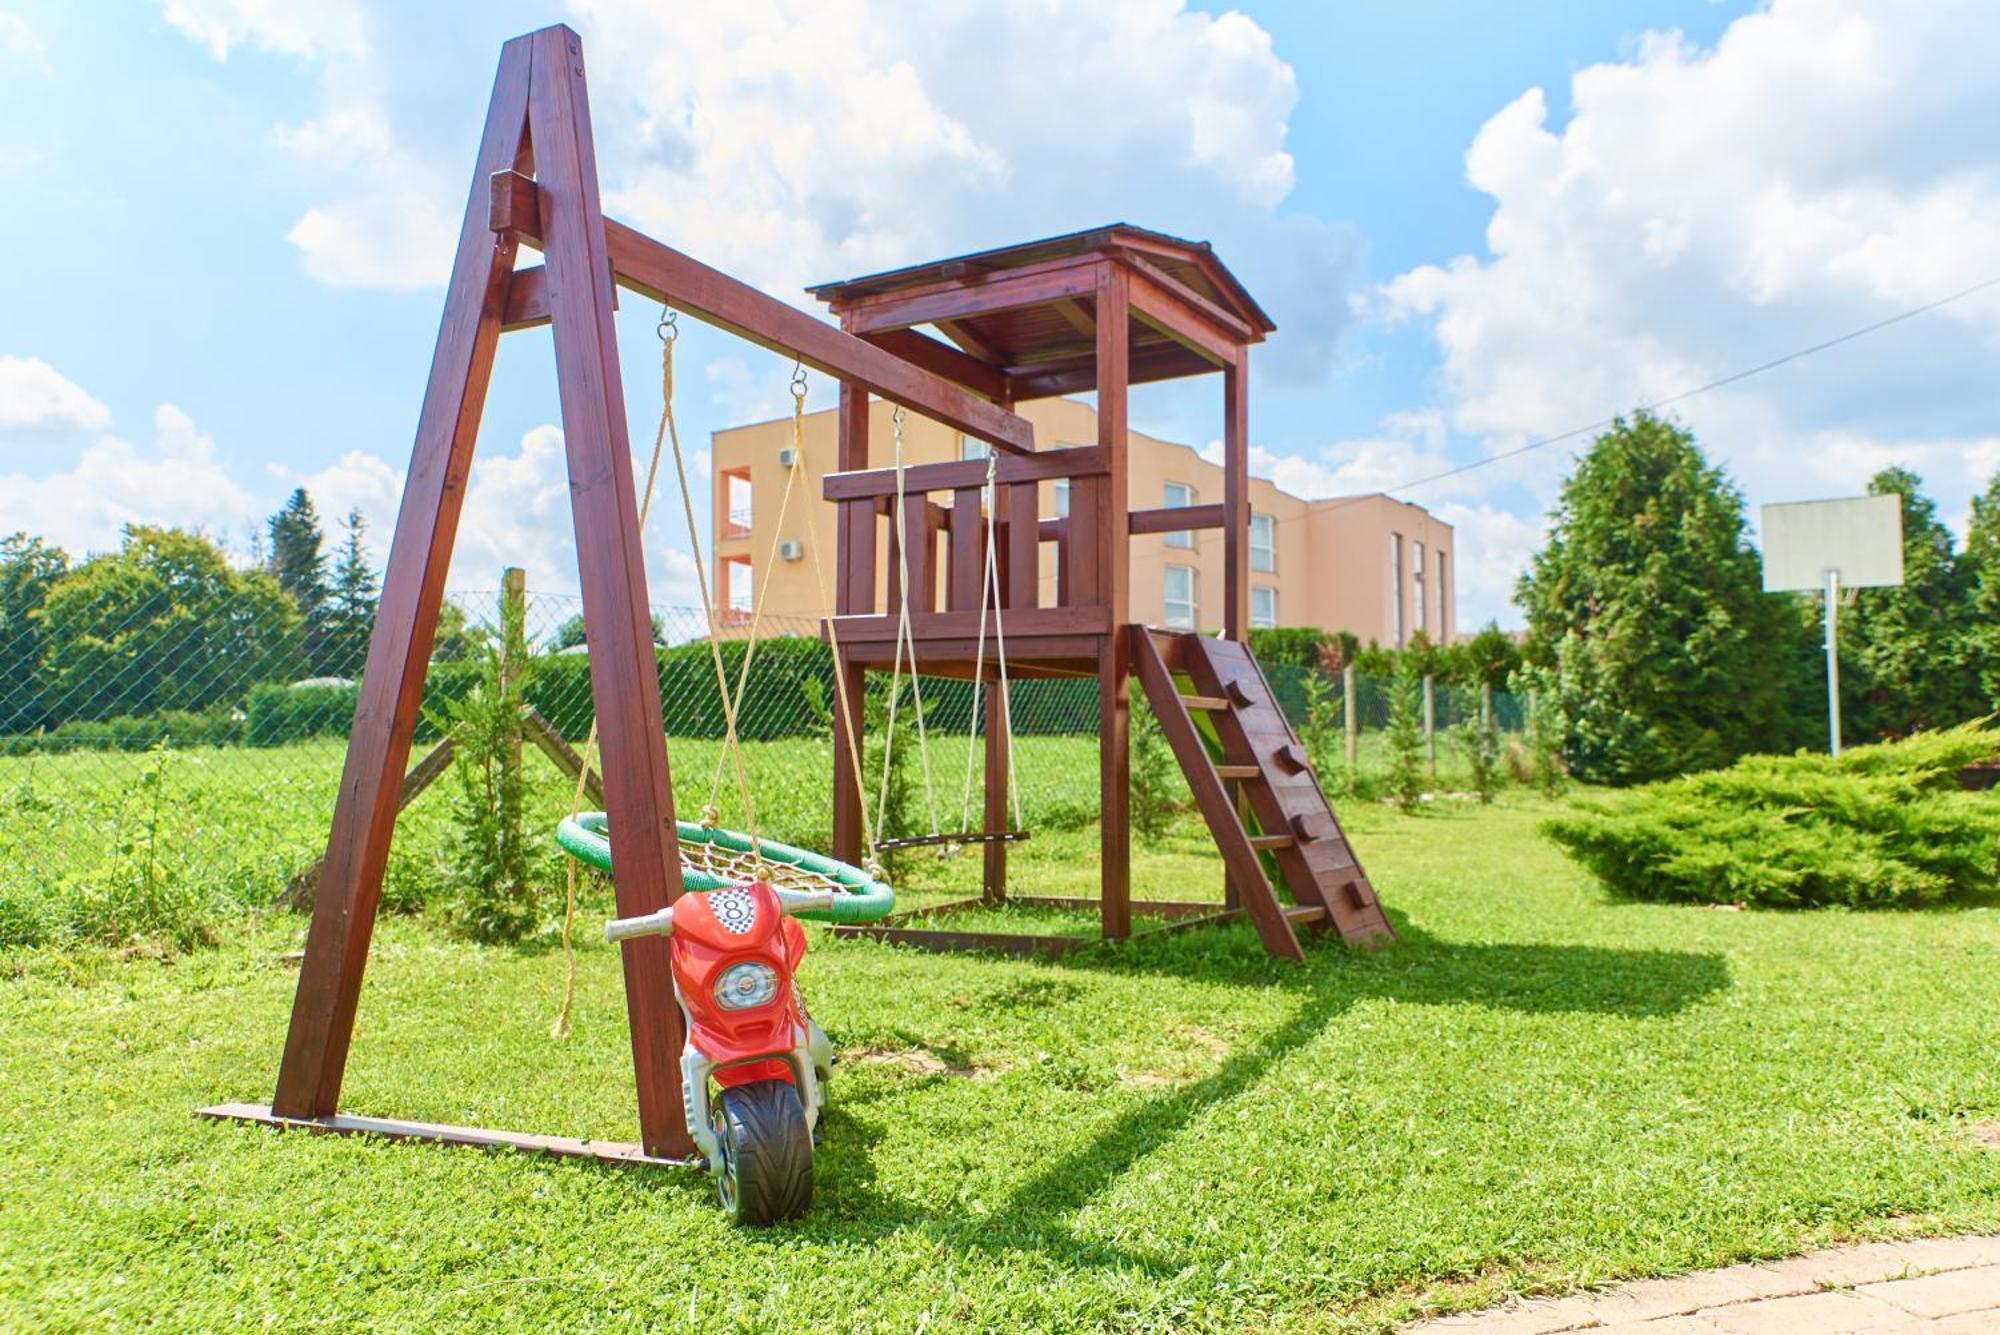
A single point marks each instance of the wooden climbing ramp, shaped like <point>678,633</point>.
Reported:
<point>1255,787</point>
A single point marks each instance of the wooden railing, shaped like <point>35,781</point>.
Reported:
<point>945,545</point>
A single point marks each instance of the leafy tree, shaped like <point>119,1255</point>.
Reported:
<point>350,607</point>
<point>571,633</point>
<point>1489,658</point>
<point>457,640</point>
<point>28,568</point>
<point>1908,656</point>
<point>1646,610</point>
<point>1982,558</point>
<point>163,623</point>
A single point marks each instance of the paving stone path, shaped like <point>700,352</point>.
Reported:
<point>1926,1286</point>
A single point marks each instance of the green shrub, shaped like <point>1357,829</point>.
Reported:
<point>278,714</point>
<point>180,727</point>
<point>1883,826</point>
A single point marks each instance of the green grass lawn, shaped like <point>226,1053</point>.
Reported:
<point>1537,1088</point>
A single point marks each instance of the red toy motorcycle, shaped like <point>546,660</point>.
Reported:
<point>735,953</point>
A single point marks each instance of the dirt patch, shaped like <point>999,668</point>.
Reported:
<point>1986,1135</point>
<point>1205,1040</point>
<point>917,1061</point>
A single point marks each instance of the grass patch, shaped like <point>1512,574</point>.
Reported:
<point>1537,1088</point>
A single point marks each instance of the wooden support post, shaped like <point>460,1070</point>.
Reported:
<point>1110,564</point>
<point>399,650</point>
<point>1236,497</point>
<point>849,682</point>
<point>624,672</point>
<point>1486,706</point>
<point>853,595</point>
<point>998,815</point>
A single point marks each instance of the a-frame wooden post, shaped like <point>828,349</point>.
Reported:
<point>538,121</point>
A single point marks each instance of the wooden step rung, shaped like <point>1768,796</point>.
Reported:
<point>1263,841</point>
<point>1304,913</point>
<point>1211,703</point>
<point>1237,772</point>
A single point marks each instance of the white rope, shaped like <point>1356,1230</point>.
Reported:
<point>904,635</point>
<point>989,596</point>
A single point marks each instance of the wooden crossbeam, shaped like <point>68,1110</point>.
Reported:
<point>665,275</point>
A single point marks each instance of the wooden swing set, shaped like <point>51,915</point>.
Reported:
<point>1093,310</point>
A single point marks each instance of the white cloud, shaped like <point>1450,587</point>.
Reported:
<point>394,239</point>
<point>1705,210</point>
<point>1492,546</point>
<point>21,46</point>
<point>178,481</point>
<point>307,28</point>
<point>827,138</point>
<point>40,403</point>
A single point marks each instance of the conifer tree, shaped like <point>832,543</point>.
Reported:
<point>1908,658</point>
<point>1648,629</point>
<point>350,613</point>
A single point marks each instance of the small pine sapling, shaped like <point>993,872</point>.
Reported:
<point>1405,734</point>
<point>1157,788</point>
<point>1482,756</point>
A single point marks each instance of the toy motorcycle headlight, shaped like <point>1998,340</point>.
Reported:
<point>745,985</point>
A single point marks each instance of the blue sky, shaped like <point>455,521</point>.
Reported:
<point>1476,224</point>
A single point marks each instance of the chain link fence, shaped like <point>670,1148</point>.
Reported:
<point>168,769</point>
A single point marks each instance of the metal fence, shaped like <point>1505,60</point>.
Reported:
<point>164,758</point>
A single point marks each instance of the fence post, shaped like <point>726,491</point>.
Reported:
<point>1486,706</point>
<point>1430,726</point>
<point>513,641</point>
<point>1352,719</point>
<point>1533,714</point>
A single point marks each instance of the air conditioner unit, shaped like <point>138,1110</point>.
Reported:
<point>791,549</point>
<point>788,457</point>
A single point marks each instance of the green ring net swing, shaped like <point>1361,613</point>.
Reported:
<point>713,858</point>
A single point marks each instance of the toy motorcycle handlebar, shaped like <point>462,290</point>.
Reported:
<point>662,923</point>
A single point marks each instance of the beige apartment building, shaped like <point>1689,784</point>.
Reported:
<point>1375,566</point>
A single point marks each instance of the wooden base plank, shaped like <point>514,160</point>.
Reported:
<point>619,1153</point>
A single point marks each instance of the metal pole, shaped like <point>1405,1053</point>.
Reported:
<point>1351,720</point>
<point>1833,660</point>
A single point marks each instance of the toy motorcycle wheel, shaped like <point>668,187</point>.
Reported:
<point>767,1158</point>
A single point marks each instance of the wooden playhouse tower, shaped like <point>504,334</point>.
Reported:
<point>1098,310</point>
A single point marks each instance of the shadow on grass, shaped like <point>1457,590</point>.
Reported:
<point>1039,1215</point>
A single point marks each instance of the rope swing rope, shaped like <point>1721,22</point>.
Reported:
<point>989,600</point>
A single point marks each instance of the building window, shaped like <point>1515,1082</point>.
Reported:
<point>1417,587</point>
<point>1062,498</point>
<point>1263,606</point>
<point>971,447</point>
<point>738,596</point>
<point>736,503</point>
<point>1263,542</point>
<point>1181,604</point>
<point>1396,588</point>
<point>1179,495</point>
